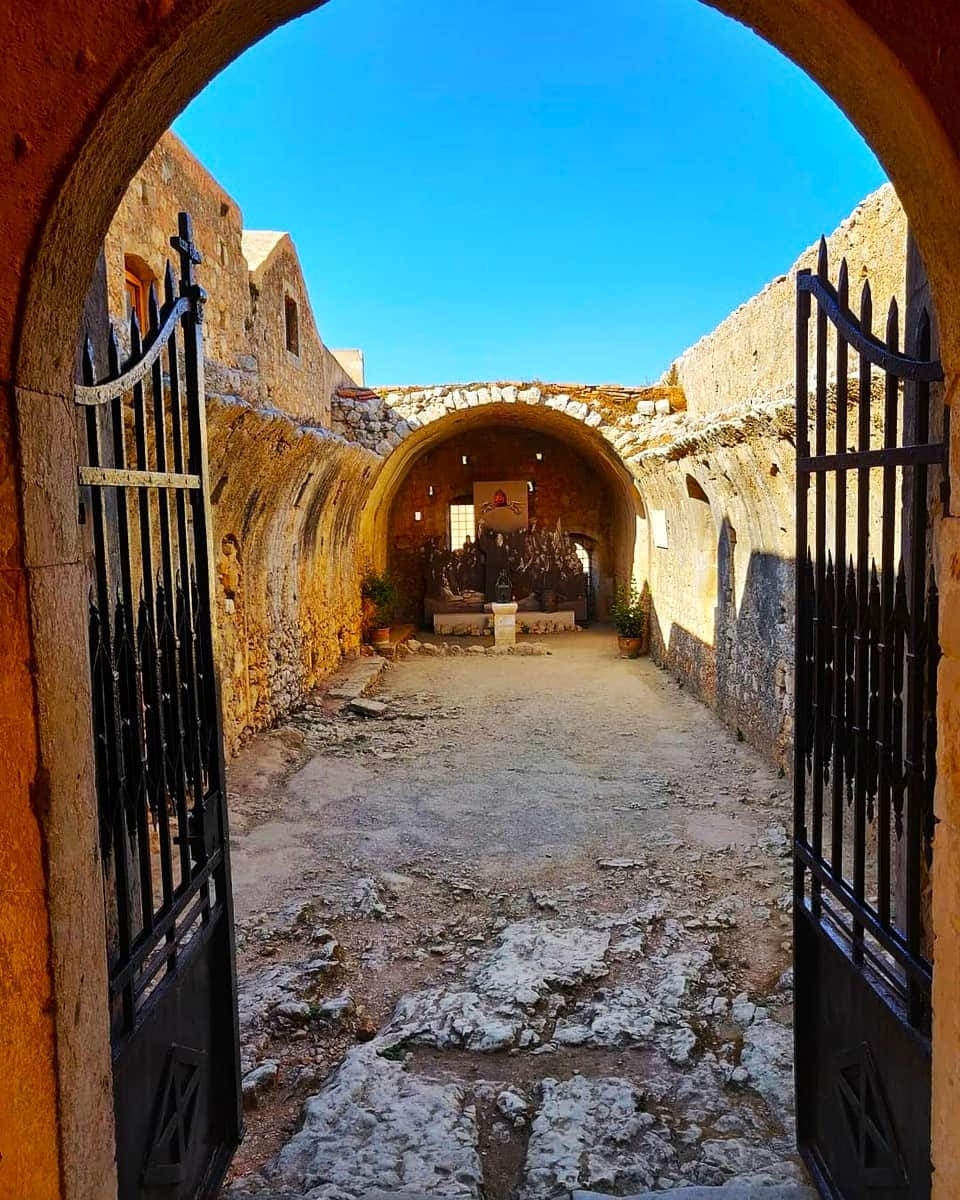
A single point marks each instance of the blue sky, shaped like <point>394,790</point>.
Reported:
<point>528,188</point>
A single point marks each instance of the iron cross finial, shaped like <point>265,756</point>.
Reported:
<point>190,257</point>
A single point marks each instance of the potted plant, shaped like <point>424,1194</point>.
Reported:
<point>380,591</point>
<point>629,615</point>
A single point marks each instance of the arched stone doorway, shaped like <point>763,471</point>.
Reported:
<point>90,98</point>
<point>574,479</point>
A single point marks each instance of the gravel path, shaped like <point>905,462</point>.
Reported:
<point>540,906</point>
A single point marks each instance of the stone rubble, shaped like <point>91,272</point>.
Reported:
<point>528,994</point>
<point>500,1006</point>
<point>593,1133</point>
<point>376,1125</point>
<point>595,1033</point>
<point>453,650</point>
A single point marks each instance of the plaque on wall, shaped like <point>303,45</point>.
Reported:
<point>501,506</point>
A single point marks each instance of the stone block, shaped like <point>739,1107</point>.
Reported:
<point>367,708</point>
<point>505,624</point>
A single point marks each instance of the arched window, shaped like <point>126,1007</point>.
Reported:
<point>137,278</point>
<point>584,548</point>
<point>701,582</point>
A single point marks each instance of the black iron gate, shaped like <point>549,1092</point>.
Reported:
<point>158,747</point>
<point>865,742</point>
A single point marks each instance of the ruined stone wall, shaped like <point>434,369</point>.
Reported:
<point>286,493</point>
<point>381,419</point>
<point>749,356</point>
<point>567,488</point>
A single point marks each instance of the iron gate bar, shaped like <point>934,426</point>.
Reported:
<point>889,939</point>
<point>857,334</point>
<point>158,749</point>
<point>894,456</point>
<point>866,655</point>
<point>101,393</point>
<point>840,556</point>
<point>861,660</point>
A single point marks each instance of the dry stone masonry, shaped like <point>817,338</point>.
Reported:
<point>381,420</point>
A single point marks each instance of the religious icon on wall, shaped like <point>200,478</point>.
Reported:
<point>501,505</point>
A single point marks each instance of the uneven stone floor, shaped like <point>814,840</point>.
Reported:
<point>526,932</point>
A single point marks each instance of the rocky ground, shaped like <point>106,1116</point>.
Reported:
<point>523,932</point>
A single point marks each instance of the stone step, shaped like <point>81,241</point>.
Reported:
<point>398,635</point>
<point>744,1191</point>
<point>355,678</point>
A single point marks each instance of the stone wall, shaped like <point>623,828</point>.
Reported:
<point>749,356</point>
<point>722,585</point>
<point>286,492</point>
<point>299,382</point>
<point>384,418</point>
<point>169,181</point>
<point>286,536</point>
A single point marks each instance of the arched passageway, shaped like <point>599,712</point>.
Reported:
<point>572,476</point>
<point>92,92</point>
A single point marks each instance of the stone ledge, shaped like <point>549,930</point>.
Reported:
<point>355,678</point>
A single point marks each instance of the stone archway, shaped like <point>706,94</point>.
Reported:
<point>90,98</point>
<point>446,413</point>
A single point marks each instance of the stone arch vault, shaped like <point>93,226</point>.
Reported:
<point>437,415</point>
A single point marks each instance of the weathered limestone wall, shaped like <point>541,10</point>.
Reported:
<point>384,418</point>
<point>722,586</point>
<point>286,492</point>
<point>286,511</point>
<point>169,181</point>
<point>749,356</point>
<point>297,383</point>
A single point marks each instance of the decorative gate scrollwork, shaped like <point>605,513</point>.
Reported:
<point>158,751</point>
<point>869,476</point>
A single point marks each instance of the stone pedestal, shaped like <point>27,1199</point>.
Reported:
<point>505,624</point>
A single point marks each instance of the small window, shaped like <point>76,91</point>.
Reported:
<point>136,285</point>
<point>462,525</point>
<point>292,321</point>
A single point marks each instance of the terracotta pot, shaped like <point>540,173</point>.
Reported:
<point>630,647</point>
<point>381,636</point>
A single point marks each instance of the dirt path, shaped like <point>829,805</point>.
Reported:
<point>537,903</point>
